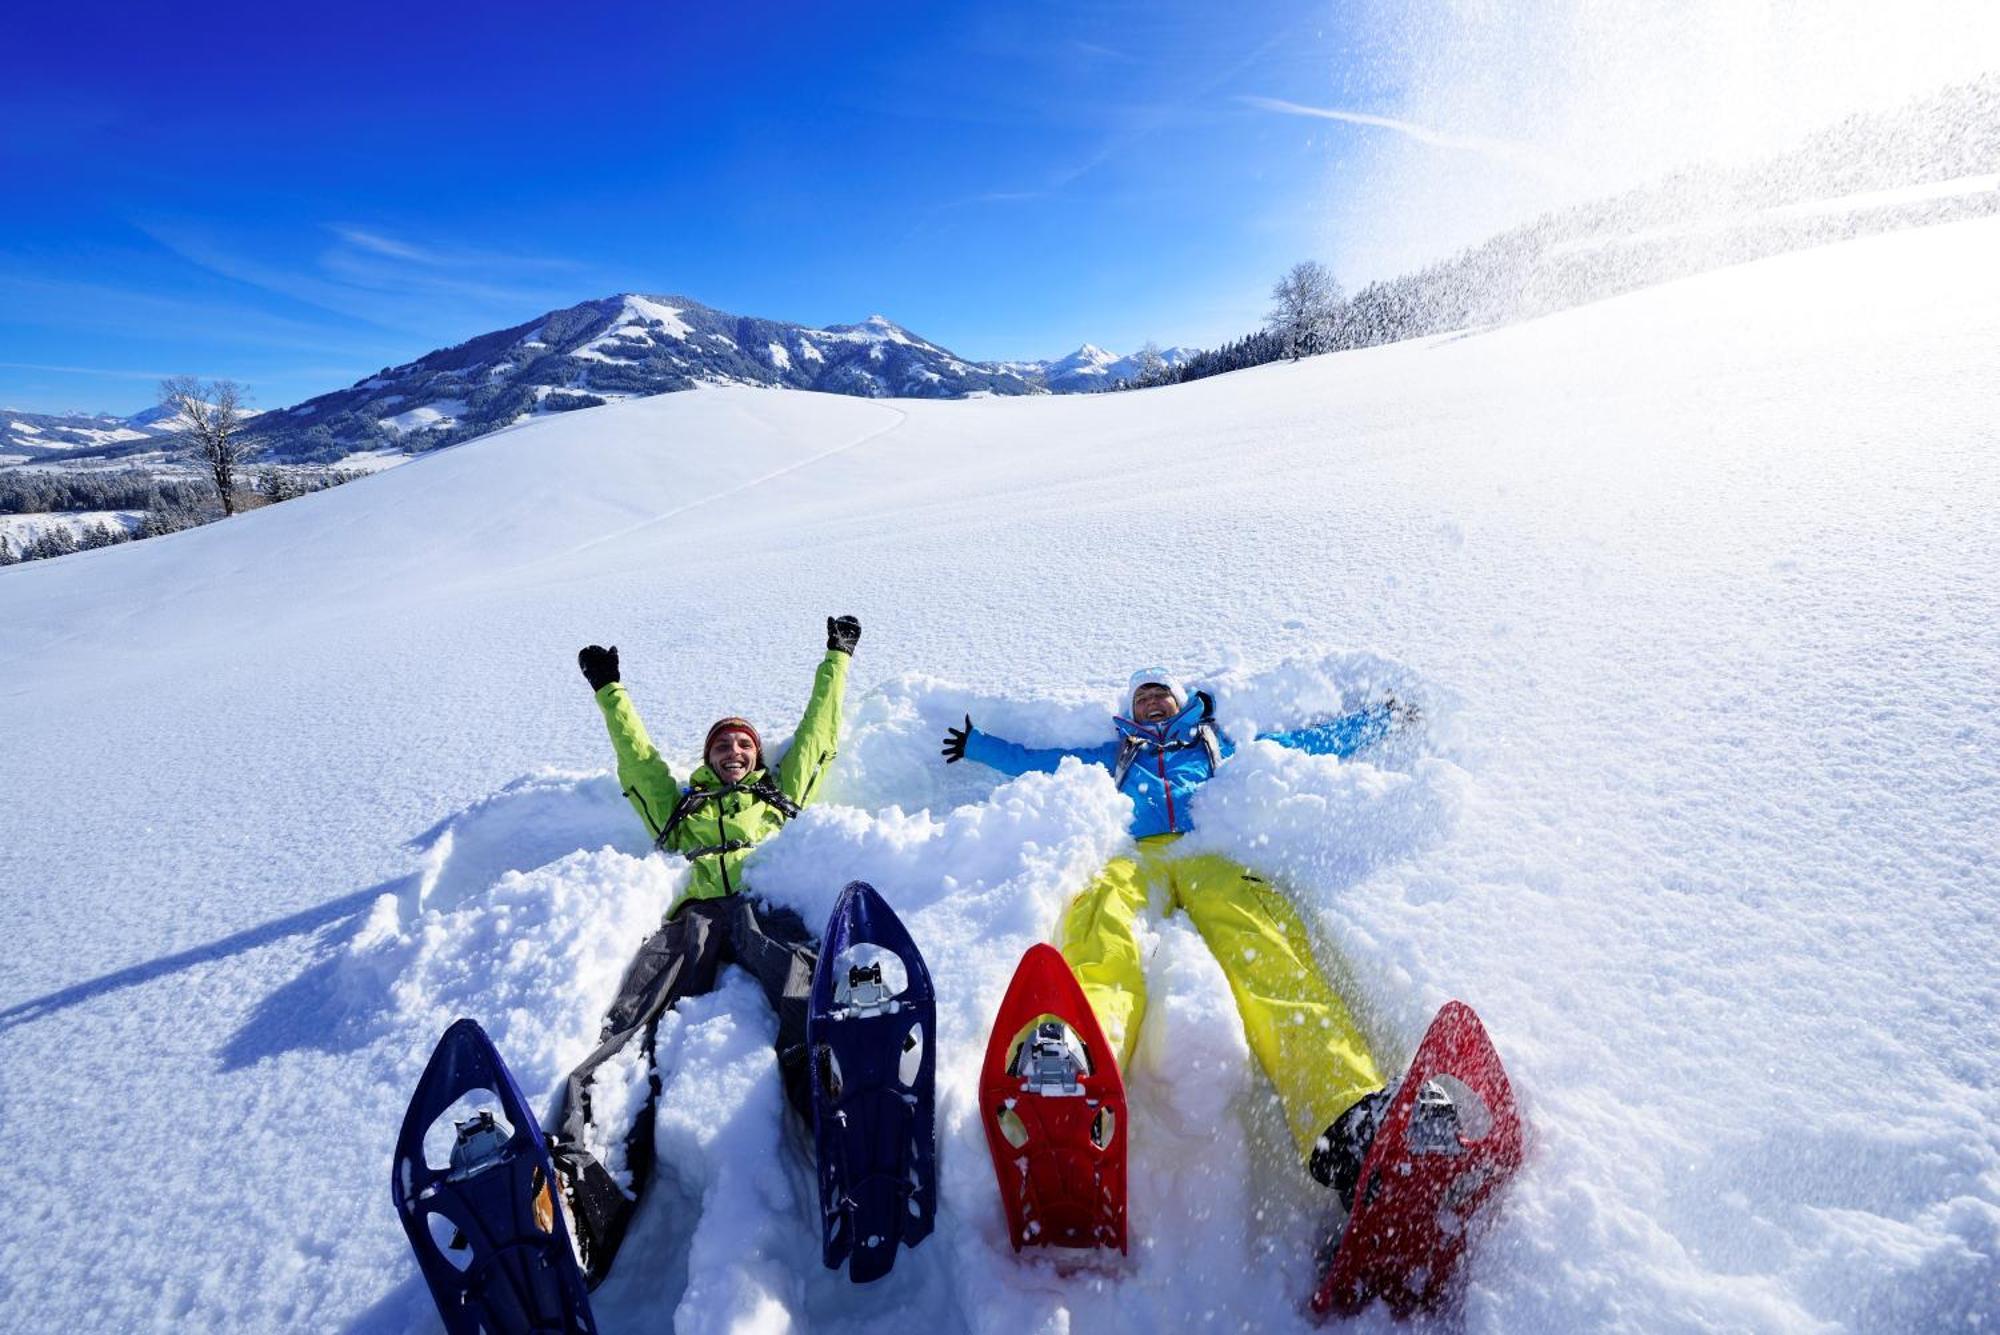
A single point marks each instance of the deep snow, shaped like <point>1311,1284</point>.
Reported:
<point>1700,588</point>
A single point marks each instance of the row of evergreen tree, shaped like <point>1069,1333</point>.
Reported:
<point>1311,315</point>
<point>48,492</point>
<point>1236,355</point>
<point>59,539</point>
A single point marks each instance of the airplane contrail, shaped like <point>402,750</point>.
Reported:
<point>1506,150</point>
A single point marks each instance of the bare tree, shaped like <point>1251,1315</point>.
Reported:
<point>1305,300</point>
<point>1152,367</point>
<point>207,419</point>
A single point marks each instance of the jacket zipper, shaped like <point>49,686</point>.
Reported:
<point>722,837</point>
<point>1160,757</point>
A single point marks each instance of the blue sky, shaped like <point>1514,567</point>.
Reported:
<point>296,196</point>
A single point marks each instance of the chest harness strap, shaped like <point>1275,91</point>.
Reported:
<point>694,799</point>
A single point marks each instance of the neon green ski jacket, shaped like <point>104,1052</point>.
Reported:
<point>720,823</point>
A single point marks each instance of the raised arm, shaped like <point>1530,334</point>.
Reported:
<point>968,743</point>
<point>1342,735</point>
<point>649,785</point>
<point>818,736</point>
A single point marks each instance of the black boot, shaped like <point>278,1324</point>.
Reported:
<point>1337,1154</point>
<point>597,1209</point>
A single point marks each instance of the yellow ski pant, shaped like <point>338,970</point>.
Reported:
<point>1296,1024</point>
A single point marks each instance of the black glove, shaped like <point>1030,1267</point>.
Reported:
<point>954,742</point>
<point>842,634</point>
<point>1404,713</point>
<point>600,665</point>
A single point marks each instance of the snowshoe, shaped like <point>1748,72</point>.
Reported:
<point>1448,1140</point>
<point>480,1200</point>
<point>872,1032</point>
<point>1053,1106</point>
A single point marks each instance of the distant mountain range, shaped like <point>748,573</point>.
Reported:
<point>632,345</point>
<point>595,352</point>
<point>1089,368</point>
<point>40,437</point>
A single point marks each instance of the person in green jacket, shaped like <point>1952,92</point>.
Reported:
<point>728,805</point>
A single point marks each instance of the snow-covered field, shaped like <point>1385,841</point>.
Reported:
<point>26,528</point>
<point>1700,587</point>
<point>442,413</point>
<point>372,461</point>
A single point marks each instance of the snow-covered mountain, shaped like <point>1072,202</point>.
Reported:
<point>36,436</point>
<point>631,346</point>
<point>159,417</point>
<point>1697,587</point>
<point>46,438</point>
<point>611,349</point>
<point>597,352</point>
<point>1090,368</point>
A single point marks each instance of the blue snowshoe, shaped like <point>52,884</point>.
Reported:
<point>479,1198</point>
<point>872,1031</point>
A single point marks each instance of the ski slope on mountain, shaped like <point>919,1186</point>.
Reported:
<point>1699,589</point>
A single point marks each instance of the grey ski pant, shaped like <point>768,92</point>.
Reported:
<point>683,959</point>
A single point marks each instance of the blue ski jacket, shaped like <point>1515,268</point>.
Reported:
<point>1159,766</point>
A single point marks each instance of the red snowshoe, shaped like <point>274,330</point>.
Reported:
<point>1053,1105</point>
<point>1451,1138</point>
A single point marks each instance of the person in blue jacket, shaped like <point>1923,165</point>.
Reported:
<point>1166,746</point>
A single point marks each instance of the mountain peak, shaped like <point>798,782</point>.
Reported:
<point>621,346</point>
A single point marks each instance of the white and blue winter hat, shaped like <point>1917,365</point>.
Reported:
<point>1156,676</point>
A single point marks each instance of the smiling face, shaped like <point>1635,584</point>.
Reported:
<point>732,755</point>
<point>1153,703</point>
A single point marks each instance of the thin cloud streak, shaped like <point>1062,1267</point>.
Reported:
<point>103,309</point>
<point>365,296</point>
<point>370,283</point>
<point>381,245</point>
<point>1096,51</point>
<point>1140,124</point>
<point>86,370</point>
<point>1503,150</point>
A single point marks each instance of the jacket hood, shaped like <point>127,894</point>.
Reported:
<point>1181,727</point>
